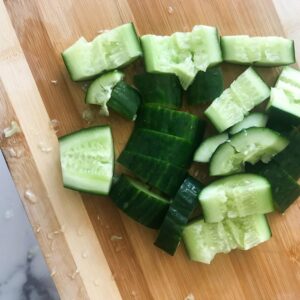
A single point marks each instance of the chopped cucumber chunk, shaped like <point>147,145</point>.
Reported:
<point>204,240</point>
<point>182,54</point>
<point>249,145</point>
<point>247,91</point>
<point>236,196</point>
<point>99,91</point>
<point>135,200</point>
<point>261,51</point>
<point>87,160</point>
<point>208,147</point>
<point>255,119</point>
<point>110,50</point>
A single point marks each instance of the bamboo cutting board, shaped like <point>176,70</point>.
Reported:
<point>76,232</point>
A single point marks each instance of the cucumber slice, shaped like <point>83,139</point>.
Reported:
<point>125,100</point>
<point>177,123</point>
<point>99,91</point>
<point>110,50</point>
<point>285,189</point>
<point>161,89</point>
<point>250,145</point>
<point>180,210</point>
<point>182,54</point>
<point>204,240</point>
<point>255,119</point>
<point>261,51</point>
<point>236,196</point>
<point>169,148</point>
<point>157,173</point>
<point>206,86</point>
<point>289,158</point>
<point>135,200</point>
<point>87,160</point>
<point>247,91</point>
<point>208,147</point>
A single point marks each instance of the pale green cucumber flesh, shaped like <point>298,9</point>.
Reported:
<point>249,145</point>
<point>208,147</point>
<point>87,160</point>
<point>236,196</point>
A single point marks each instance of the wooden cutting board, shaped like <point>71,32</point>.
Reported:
<point>76,232</point>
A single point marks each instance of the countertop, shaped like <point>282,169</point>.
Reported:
<point>23,274</point>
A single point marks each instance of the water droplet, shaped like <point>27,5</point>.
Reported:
<point>53,272</point>
<point>84,254</point>
<point>133,293</point>
<point>48,255</point>
<point>116,238</point>
<point>170,10</point>
<point>84,86</point>
<point>190,296</point>
<point>103,31</point>
<point>73,275</point>
<point>80,232</point>
<point>54,125</point>
<point>88,115</point>
<point>96,282</point>
<point>9,214</point>
<point>98,218</point>
<point>30,196</point>
<point>45,148</point>
<point>11,130</point>
<point>38,229</point>
<point>54,81</point>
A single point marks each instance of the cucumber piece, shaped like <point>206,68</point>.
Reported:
<point>236,196</point>
<point>135,200</point>
<point>249,145</point>
<point>261,51</point>
<point>87,160</point>
<point>255,119</point>
<point>283,111</point>
<point>206,86</point>
<point>285,189</point>
<point>247,91</point>
<point>110,50</point>
<point>168,148</point>
<point>181,208</point>
<point>209,146</point>
<point>289,158</point>
<point>289,81</point>
<point>182,54</point>
<point>99,91</point>
<point>161,89</point>
<point>177,123</point>
<point>204,240</point>
<point>125,100</point>
<point>157,173</point>
<point>284,104</point>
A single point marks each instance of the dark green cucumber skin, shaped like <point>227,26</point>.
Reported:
<point>137,204</point>
<point>281,121</point>
<point>206,86</point>
<point>66,137</point>
<point>162,89</point>
<point>125,100</point>
<point>162,146</point>
<point>285,189</point>
<point>289,158</point>
<point>159,174</point>
<point>181,208</point>
<point>177,123</point>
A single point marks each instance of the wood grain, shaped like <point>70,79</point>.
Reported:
<point>131,268</point>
